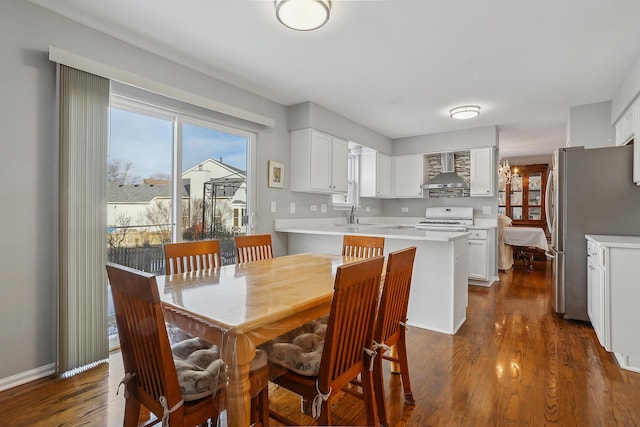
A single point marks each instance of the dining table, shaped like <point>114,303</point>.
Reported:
<point>526,237</point>
<point>238,307</point>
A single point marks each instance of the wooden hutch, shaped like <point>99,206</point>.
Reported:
<point>523,200</point>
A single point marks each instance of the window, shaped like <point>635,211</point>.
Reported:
<point>172,176</point>
<point>346,201</point>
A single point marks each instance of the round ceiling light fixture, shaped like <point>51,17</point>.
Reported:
<point>303,15</point>
<point>464,112</point>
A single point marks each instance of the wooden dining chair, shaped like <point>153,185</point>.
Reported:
<point>391,325</point>
<point>347,345</point>
<point>362,246</point>
<point>253,248</point>
<point>191,256</point>
<point>150,378</point>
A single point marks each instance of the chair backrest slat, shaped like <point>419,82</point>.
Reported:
<point>395,294</point>
<point>362,246</point>
<point>253,248</point>
<point>351,321</point>
<point>192,256</point>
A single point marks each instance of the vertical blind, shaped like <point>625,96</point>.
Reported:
<point>82,291</point>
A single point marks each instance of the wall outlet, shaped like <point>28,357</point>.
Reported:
<point>313,208</point>
<point>323,208</point>
<point>405,210</point>
<point>292,207</point>
<point>486,210</point>
<point>273,207</point>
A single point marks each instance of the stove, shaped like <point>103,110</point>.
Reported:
<point>446,219</point>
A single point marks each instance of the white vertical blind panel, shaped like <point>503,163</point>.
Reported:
<point>82,291</point>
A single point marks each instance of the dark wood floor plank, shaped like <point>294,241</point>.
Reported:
<point>513,363</point>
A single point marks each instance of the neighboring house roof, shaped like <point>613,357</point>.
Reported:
<point>139,193</point>
<point>232,170</point>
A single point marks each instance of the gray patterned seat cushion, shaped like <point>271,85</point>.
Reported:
<point>301,349</point>
<point>200,370</point>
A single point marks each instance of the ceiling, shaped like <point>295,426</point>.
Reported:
<point>398,66</point>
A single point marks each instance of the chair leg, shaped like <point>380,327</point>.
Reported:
<point>404,368</point>
<point>131,412</point>
<point>378,387</point>
<point>368,396</point>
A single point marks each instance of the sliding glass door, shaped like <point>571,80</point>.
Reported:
<point>172,177</point>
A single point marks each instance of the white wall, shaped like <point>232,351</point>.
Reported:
<point>28,188</point>
<point>590,126</point>
<point>627,92</point>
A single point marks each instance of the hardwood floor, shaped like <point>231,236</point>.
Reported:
<point>513,363</point>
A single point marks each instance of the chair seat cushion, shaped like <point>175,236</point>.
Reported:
<point>302,355</point>
<point>200,370</point>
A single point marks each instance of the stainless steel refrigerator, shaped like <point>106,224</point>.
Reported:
<point>590,191</point>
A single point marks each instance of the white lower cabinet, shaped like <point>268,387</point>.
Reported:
<point>479,256</point>
<point>596,297</point>
<point>613,293</point>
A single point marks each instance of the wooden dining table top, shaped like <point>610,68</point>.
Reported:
<point>243,297</point>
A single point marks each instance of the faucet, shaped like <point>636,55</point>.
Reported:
<point>351,216</point>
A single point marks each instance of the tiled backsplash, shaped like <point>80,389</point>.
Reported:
<point>463,168</point>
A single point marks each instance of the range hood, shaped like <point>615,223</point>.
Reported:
<point>448,178</point>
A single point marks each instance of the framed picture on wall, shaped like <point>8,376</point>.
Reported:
<point>276,174</point>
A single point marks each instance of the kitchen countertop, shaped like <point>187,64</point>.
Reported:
<point>395,228</point>
<point>632,242</point>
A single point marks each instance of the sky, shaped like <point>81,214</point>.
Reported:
<point>146,142</point>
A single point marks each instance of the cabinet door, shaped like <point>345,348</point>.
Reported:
<point>339,165</point>
<point>636,144</point>
<point>383,175</point>
<point>407,175</point>
<point>320,167</point>
<point>483,172</point>
<point>596,301</point>
<point>478,259</point>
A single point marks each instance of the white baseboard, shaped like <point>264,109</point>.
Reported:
<point>28,376</point>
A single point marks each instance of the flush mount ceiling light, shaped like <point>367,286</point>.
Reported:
<point>464,112</point>
<point>303,15</point>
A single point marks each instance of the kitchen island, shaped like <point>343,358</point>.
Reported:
<point>439,290</point>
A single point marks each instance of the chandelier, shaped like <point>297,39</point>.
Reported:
<point>504,173</point>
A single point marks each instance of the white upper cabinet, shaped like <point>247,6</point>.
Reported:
<point>625,127</point>
<point>408,175</point>
<point>319,162</point>
<point>636,144</point>
<point>483,172</point>
<point>375,174</point>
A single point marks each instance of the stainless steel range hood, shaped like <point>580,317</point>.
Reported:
<point>448,178</point>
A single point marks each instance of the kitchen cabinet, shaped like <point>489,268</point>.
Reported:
<point>375,174</point>
<point>319,162</point>
<point>483,172</point>
<point>523,200</point>
<point>636,145</point>
<point>625,126</point>
<point>408,175</point>
<point>478,256</point>
<point>613,294</point>
<point>596,296</point>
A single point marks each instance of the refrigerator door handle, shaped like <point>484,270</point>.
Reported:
<point>548,205</point>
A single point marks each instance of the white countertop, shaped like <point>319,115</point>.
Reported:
<point>632,242</point>
<point>397,228</point>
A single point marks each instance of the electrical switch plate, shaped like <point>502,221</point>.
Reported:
<point>405,209</point>
<point>273,207</point>
<point>367,209</point>
<point>313,208</point>
<point>486,210</point>
<point>292,207</point>
<point>323,208</point>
